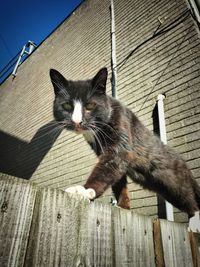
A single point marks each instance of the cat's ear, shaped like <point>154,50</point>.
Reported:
<point>59,82</point>
<point>99,81</point>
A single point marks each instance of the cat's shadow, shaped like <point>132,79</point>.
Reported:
<point>21,158</point>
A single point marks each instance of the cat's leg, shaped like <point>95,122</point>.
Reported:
<point>121,193</point>
<point>108,171</point>
<point>176,188</point>
<point>168,185</point>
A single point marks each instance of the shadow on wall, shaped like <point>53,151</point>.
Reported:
<point>20,158</point>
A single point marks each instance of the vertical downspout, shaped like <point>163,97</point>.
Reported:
<point>113,55</point>
<point>195,9</point>
<point>113,63</point>
<point>163,137</point>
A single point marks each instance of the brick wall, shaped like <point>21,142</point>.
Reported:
<point>78,48</point>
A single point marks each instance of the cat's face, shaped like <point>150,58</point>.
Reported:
<point>81,105</point>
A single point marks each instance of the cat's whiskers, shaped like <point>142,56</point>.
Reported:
<point>52,124</point>
<point>107,125</point>
<point>100,134</point>
<point>103,133</point>
<point>107,141</point>
<point>97,138</point>
<point>55,131</point>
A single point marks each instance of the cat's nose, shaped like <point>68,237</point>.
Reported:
<point>77,125</point>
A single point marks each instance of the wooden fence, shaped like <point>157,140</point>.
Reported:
<point>48,227</point>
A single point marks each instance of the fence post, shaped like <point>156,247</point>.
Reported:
<point>159,259</point>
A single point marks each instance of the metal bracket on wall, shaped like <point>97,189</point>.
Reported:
<point>26,51</point>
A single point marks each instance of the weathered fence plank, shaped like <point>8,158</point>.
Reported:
<point>95,236</point>
<point>134,244</point>
<point>17,199</point>
<point>55,228</point>
<point>176,244</point>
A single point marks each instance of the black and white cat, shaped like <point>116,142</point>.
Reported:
<point>123,145</point>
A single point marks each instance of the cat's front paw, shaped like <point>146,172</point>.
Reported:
<point>90,193</point>
<point>80,190</point>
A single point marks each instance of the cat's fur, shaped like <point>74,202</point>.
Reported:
<point>123,145</point>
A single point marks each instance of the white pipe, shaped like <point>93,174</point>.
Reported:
<point>113,56</point>
<point>163,137</point>
<point>194,8</point>
<point>14,73</point>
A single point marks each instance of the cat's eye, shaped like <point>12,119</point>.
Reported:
<point>90,106</point>
<point>67,106</point>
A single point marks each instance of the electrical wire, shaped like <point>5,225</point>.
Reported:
<point>8,64</point>
<point>168,63</point>
<point>6,45</point>
<point>157,33</point>
<point>6,70</point>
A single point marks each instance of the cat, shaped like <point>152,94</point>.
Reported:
<point>124,146</point>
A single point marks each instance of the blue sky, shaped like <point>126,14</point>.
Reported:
<point>21,21</point>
